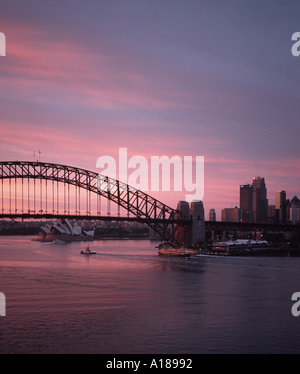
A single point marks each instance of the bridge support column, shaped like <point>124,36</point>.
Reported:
<point>182,234</point>
<point>198,222</point>
<point>193,234</point>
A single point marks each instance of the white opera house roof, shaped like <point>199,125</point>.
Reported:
<point>65,227</point>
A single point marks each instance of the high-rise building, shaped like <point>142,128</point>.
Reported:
<point>212,215</point>
<point>246,202</point>
<point>281,206</point>
<point>260,201</point>
<point>271,213</point>
<point>231,214</point>
<point>294,210</point>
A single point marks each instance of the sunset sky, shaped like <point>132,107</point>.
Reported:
<point>81,79</point>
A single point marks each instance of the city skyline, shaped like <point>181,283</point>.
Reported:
<point>61,195</point>
<point>254,205</point>
<point>155,78</point>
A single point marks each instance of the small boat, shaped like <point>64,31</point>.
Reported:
<point>87,251</point>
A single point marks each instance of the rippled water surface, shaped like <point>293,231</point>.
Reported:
<point>127,299</point>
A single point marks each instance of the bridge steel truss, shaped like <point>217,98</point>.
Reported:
<point>158,216</point>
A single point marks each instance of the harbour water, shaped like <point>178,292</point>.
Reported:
<point>127,299</point>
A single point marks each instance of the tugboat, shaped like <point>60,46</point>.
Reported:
<point>87,251</point>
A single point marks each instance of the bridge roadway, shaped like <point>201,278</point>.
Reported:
<point>209,225</point>
<point>80,217</point>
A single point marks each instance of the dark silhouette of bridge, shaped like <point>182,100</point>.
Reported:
<point>40,190</point>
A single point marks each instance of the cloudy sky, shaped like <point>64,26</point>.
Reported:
<point>82,78</point>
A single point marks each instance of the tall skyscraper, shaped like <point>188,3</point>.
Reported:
<point>260,201</point>
<point>246,202</point>
<point>281,206</point>
<point>212,215</point>
<point>295,210</point>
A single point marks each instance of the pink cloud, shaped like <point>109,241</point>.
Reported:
<point>40,70</point>
<point>37,64</point>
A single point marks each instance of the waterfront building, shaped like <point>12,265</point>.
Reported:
<point>281,207</point>
<point>260,201</point>
<point>246,202</point>
<point>231,214</point>
<point>294,210</point>
<point>295,215</point>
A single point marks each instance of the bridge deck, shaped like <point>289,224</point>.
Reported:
<point>209,225</point>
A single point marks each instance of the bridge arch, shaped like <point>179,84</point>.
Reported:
<point>144,207</point>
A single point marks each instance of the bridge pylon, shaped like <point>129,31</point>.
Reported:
<point>191,234</point>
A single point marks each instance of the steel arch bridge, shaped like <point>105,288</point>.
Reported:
<point>161,218</point>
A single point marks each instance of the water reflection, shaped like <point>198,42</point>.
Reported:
<point>127,299</point>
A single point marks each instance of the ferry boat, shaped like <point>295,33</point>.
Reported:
<point>239,247</point>
<point>167,250</point>
<point>173,252</point>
